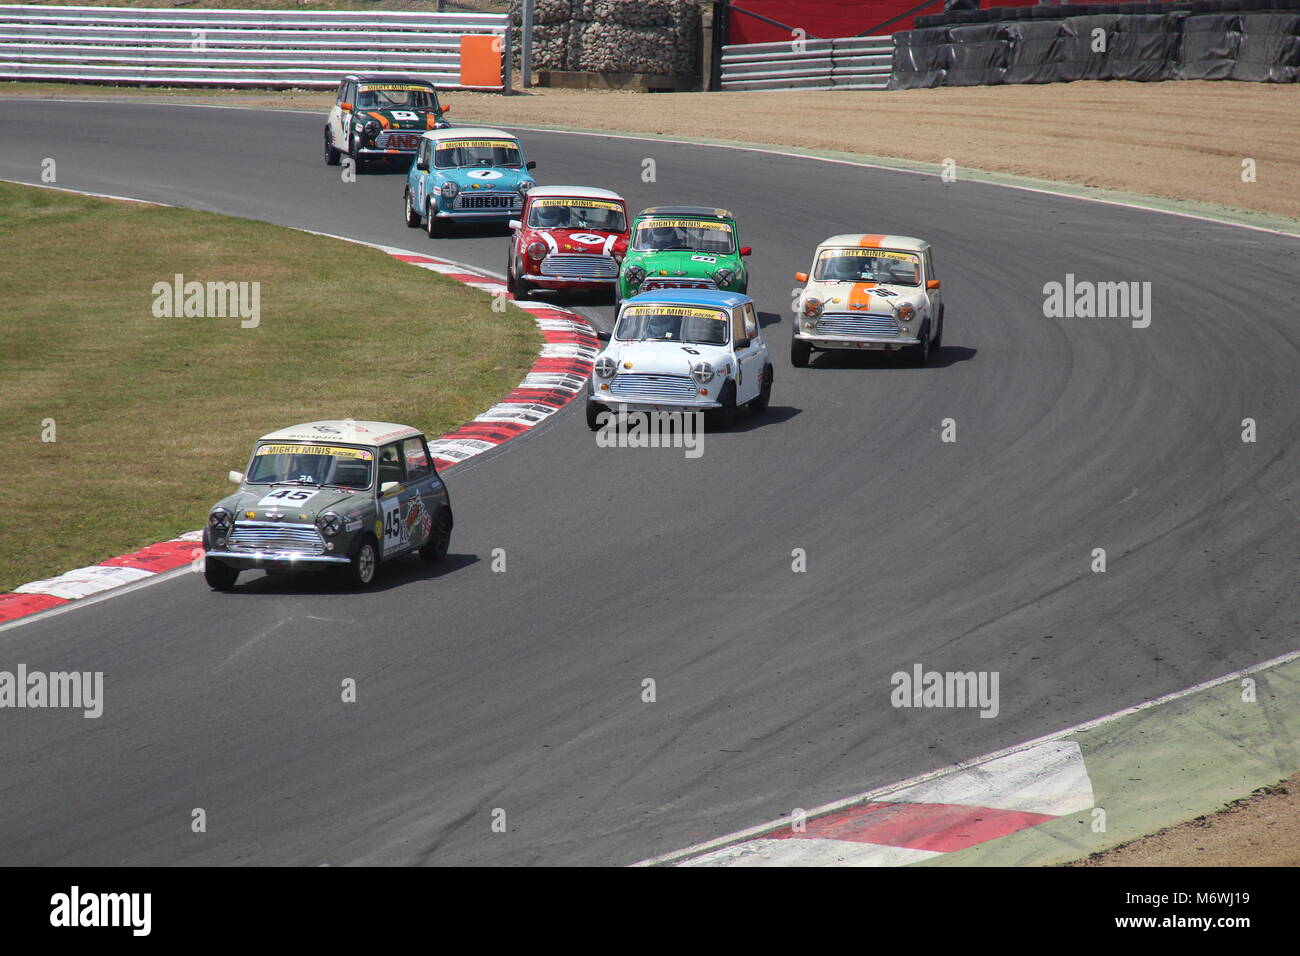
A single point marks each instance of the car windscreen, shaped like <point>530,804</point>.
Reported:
<point>856,264</point>
<point>396,98</point>
<point>673,323</point>
<point>693,235</point>
<point>305,464</point>
<point>451,153</point>
<point>555,212</point>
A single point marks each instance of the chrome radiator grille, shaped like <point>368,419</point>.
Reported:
<point>654,388</point>
<point>579,267</point>
<point>844,324</point>
<point>273,536</point>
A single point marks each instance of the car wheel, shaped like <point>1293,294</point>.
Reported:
<point>358,162</point>
<point>938,337</point>
<point>332,155</point>
<point>921,352</point>
<point>219,575</point>
<point>720,419</point>
<point>764,397</point>
<point>435,549</point>
<point>412,217</point>
<point>593,414</point>
<point>360,571</point>
<point>519,287</point>
<point>434,224</point>
<point>800,352</point>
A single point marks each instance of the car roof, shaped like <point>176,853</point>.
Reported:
<point>388,78</point>
<point>876,241</point>
<point>708,212</point>
<point>470,132</point>
<point>575,192</point>
<point>349,432</point>
<point>706,297</point>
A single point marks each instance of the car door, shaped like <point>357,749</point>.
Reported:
<point>935,295</point>
<point>395,505</point>
<point>747,341</point>
<point>337,133</point>
<point>428,493</point>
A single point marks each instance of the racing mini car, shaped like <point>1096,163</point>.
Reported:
<point>466,174</point>
<point>683,350</point>
<point>683,247</point>
<point>869,292</point>
<point>568,238</point>
<point>333,494</point>
<point>381,117</point>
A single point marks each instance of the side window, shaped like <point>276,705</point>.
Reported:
<point>416,454</point>
<point>343,87</point>
<point>738,328</point>
<point>929,266</point>
<point>350,94</point>
<point>390,464</point>
<point>751,321</point>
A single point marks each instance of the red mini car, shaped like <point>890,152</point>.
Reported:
<point>567,238</point>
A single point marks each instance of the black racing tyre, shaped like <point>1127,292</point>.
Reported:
<point>360,570</point>
<point>332,155</point>
<point>764,398</point>
<point>593,414</point>
<point>938,336</point>
<point>720,419</point>
<point>412,217</point>
<point>219,575</point>
<point>800,352</point>
<point>921,352</point>
<point>435,549</point>
<point>434,224</point>
<point>358,161</point>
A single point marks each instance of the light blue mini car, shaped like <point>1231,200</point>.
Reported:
<point>466,174</point>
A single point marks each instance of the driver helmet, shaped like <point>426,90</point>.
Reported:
<point>663,237</point>
<point>550,216</point>
<point>660,326</point>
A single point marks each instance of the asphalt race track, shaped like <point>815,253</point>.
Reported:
<point>522,691</point>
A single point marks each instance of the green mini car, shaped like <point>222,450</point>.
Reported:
<point>345,495</point>
<point>683,247</point>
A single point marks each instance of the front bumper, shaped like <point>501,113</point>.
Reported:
<point>247,560</point>
<point>619,405</point>
<point>828,342</point>
<point>478,215</point>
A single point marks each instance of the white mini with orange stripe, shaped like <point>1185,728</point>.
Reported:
<point>868,291</point>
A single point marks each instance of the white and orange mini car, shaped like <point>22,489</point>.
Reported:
<point>868,292</point>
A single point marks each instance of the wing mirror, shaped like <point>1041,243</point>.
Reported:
<point>446,109</point>
<point>236,476</point>
<point>745,250</point>
<point>346,107</point>
<point>602,335</point>
<point>932,284</point>
<point>801,277</point>
<point>515,225</point>
<point>531,164</point>
<point>422,165</point>
<point>388,487</point>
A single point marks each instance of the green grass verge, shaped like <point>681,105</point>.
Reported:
<point>150,413</point>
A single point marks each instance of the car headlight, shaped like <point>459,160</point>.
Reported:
<point>812,307</point>
<point>635,275</point>
<point>702,372</point>
<point>536,249</point>
<point>606,366</point>
<point>906,313</point>
<point>450,189</point>
<point>524,186</point>
<point>329,523</point>
<point>724,277</point>
<point>220,519</point>
<point>371,130</point>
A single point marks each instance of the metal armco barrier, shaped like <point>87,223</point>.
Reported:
<point>256,48</point>
<point>849,63</point>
